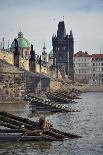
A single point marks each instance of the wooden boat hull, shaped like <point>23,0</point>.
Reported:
<point>21,137</point>
<point>32,131</point>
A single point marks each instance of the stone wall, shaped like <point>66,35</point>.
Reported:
<point>12,83</point>
<point>24,63</point>
<point>55,85</point>
<point>7,56</point>
<point>36,83</point>
<point>12,87</point>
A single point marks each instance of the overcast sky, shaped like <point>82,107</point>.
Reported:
<point>38,20</point>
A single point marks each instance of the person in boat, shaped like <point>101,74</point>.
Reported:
<point>44,124</point>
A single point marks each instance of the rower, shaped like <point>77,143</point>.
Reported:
<point>43,124</point>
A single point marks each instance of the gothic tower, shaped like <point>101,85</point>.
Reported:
<point>16,54</point>
<point>32,61</point>
<point>44,55</point>
<point>63,50</point>
<point>71,54</point>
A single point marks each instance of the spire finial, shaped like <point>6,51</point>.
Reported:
<point>71,32</point>
<point>44,43</point>
<point>44,48</point>
<point>20,34</point>
<point>63,18</point>
<point>8,44</point>
<point>3,43</point>
<point>31,47</point>
<point>100,50</point>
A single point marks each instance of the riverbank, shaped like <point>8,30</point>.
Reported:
<point>88,88</point>
<point>12,102</point>
<point>87,123</point>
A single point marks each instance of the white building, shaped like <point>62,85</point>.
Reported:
<point>97,69</point>
<point>82,67</point>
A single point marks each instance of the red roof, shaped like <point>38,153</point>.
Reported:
<point>82,54</point>
<point>96,57</point>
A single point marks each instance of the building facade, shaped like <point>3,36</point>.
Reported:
<point>97,69</point>
<point>82,67</point>
<point>63,51</point>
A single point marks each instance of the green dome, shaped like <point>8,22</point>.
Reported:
<point>22,42</point>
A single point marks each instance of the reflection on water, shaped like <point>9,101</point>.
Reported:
<point>88,123</point>
<point>21,109</point>
<point>23,148</point>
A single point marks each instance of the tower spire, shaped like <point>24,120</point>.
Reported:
<point>44,48</point>
<point>8,44</point>
<point>71,33</point>
<point>32,53</point>
<point>32,61</point>
<point>16,54</point>
<point>100,50</point>
<point>61,32</point>
<point>3,43</point>
<point>63,18</point>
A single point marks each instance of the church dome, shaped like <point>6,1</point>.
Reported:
<point>22,42</point>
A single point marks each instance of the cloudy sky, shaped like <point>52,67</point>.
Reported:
<point>38,20</point>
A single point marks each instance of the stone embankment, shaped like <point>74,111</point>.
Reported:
<point>88,88</point>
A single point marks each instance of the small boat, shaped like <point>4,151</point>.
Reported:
<point>23,129</point>
<point>23,137</point>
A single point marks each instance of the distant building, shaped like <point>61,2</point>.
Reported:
<point>44,56</point>
<point>63,51</point>
<point>97,69</point>
<point>23,44</point>
<point>82,67</point>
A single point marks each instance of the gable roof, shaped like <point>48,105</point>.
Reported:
<point>97,57</point>
<point>82,54</point>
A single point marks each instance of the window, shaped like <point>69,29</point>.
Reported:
<point>93,64</point>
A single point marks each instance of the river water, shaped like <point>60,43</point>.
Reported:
<point>87,123</point>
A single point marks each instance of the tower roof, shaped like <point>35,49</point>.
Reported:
<point>61,33</point>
